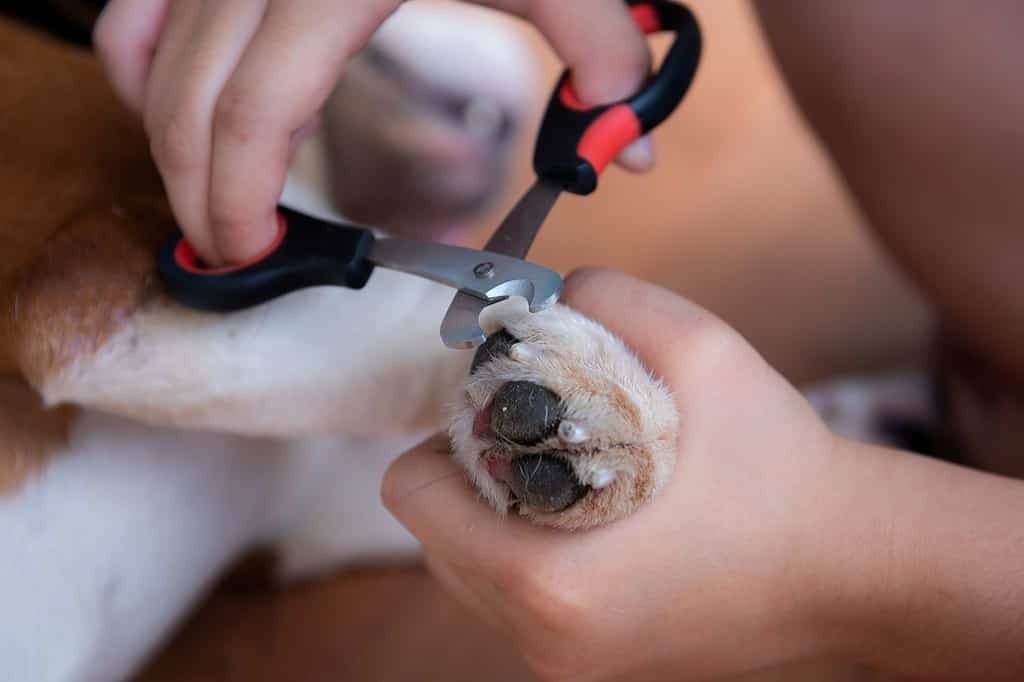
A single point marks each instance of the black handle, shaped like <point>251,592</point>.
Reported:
<point>576,144</point>
<point>307,252</point>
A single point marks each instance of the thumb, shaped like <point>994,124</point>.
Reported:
<point>639,156</point>
<point>427,492</point>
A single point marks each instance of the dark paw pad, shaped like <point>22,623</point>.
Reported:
<point>545,483</point>
<point>524,412</point>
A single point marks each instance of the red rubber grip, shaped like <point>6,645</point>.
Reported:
<point>612,132</point>
<point>187,259</point>
<point>577,142</point>
<point>569,98</point>
<point>647,19</point>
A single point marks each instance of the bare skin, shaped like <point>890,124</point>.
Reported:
<point>735,151</point>
<point>841,36</point>
<point>822,549</point>
<point>197,72</point>
<point>852,556</point>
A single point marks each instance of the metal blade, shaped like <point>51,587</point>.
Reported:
<point>514,237</point>
<point>484,275</point>
<point>461,325</point>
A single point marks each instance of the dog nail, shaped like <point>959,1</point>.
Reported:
<point>497,345</point>
<point>521,352</point>
<point>572,433</point>
<point>602,478</point>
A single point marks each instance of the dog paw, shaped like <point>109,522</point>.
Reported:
<point>560,422</point>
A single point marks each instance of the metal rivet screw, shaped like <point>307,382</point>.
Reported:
<point>484,270</point>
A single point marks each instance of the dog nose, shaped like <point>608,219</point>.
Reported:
<point>524,412</point>
<point>545,483</point>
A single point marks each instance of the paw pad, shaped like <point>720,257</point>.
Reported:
<point>545,483</point>
<point>561,423</point>
<point>524,412</point>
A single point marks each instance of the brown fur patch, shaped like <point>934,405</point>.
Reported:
<point>643,485</point>
<point>88,280</point>
<point>29,433</point>
<point>582,377</point>
<point>625,406</point>
<point>82,211</point>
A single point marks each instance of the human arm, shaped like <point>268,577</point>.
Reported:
<point>774,541</point>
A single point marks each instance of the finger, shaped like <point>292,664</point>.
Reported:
<point>201,47</point>
<point>641,313</point>
<point>597,39</point>
<point>680,342</point>
<point>639,156</point>
<point>126,36</point>
<point>283,79</point>
<point>428,493</point>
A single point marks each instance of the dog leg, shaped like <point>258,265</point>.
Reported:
<point>333,519</point>
<point>109,545</point>
<point>559,421</point>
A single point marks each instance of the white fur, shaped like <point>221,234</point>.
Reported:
<point>106,549</point>
<point>436,40</point>
<point>572,433</point>
<point>373,359</point>
<point>125,529</point>
<point>272,426</point>
<point>563,344</point>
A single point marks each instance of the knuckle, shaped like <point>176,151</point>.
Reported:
<point>236,229</point>
<point>557,615</point>
<point>230,221</point>
<point>637,57</point>
<point>237,114</point>
<point>552,595</point>
<point>176,142</point>
<point>587,284</point>
<point>707,345</point>
<point>586,277</point>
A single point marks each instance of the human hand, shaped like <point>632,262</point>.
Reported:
<point>228,88</point>
<point>731,551</point>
